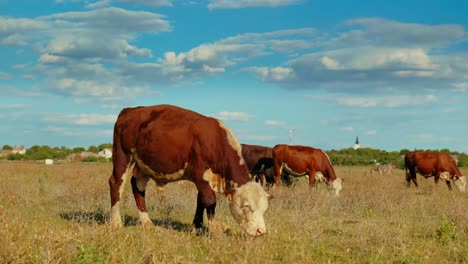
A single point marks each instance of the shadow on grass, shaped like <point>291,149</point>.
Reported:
<point>101,218</point>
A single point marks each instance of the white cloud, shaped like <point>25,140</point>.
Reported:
<point>148,2</point>
<point>371,132</point>
<point>347,128</point>
<point>234,4</point>
<point>386,101</point>
<point>384,32</point>
<point>275,123</point>
<point>238,116</point>
<point>80,119</point>
<point>5,76</point>
<point>217,57</point>
<point>460,87</point>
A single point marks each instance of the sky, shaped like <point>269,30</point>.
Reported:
<point>306,72</point>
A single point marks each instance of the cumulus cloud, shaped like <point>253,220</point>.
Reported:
<point>231,116</point>
<point>347,128</point>
<point>275,123</point>
<point>384,32</point>
<point>80,119</point>
<point>387,101</point>
<point>235,4</point>
<point>371,54</point>
<point>5,76</point>
<point>217,57</point>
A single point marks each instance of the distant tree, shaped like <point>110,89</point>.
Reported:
<point>7,147</point>
<point>93,149</point>
<point>104,146</point>
<point>78,150</point>
<point>404,151</point>
<point>15,156</point>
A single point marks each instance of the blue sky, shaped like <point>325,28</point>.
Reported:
<point>394,73</point>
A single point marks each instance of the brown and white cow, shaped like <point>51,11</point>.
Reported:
<point>303,160</point>
<point>252,155</point>
<point>167,143</point>
<point>431,163</point>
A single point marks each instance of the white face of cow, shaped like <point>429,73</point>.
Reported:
<point>460,182</point>
<point>337,185</point>
<point>248,203</point>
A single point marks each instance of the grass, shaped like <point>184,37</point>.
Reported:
<point>59,213</point>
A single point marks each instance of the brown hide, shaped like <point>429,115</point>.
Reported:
<point>253,153</point>
<point>302,159</point>
<point>428,164</point>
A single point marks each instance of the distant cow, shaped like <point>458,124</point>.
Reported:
<point>431,163</point>
<point>303,160</point>
<point>253,153</point>
<point>264,171</point>
<point>166,143</point>
<point>387,168</point>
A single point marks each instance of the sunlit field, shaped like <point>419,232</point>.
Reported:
<point>59,213</point>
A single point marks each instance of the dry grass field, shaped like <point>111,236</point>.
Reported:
<point>58,214</point>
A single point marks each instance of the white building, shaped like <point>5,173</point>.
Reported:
<point>356,144</point>
<point>106,153</point>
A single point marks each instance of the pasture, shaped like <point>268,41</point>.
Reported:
<point>58,214</point>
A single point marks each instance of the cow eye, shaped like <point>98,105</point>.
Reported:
<point>246,206</point>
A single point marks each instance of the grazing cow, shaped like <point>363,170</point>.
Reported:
<point>166,144</point>
<point>303,160</point>
<point>383,168</point>
<point>431,163</point>
<point>263,171</point>
<point>253,153</point>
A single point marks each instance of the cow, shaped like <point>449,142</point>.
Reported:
<point>303,160</point>
<point>167,143</point>
<point>264,172</point>
<point>253,155</point>
<point>433,164</point>
<point>383,168</point>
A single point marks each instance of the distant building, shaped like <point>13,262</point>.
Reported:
<point>19,150</point>
<point>106,153</point>
<point>356,144</point>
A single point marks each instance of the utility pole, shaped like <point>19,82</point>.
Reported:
<point>291,130</point>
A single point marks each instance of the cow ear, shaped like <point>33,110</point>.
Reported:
<point>229,194</point>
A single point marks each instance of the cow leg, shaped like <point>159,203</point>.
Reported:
<point>278,173</point>
<point>449,185</point>
<point>312,182</point>
<point>206,198</point>
<point>411,176</point>
<point>122,169</point>
<point>138,189</point>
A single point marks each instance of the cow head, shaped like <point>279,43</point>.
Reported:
<point>248,203</point>
<point>460,182</point>
<point>336,186</point>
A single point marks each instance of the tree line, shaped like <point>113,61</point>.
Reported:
<point>37,152</point>
<point>369,156</point>
<point>344,157</point>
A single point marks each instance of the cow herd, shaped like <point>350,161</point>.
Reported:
<point>166,143</point>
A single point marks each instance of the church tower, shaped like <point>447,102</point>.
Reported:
<point>356,144</point>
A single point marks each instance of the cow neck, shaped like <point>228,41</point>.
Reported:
<point>237,175</point>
